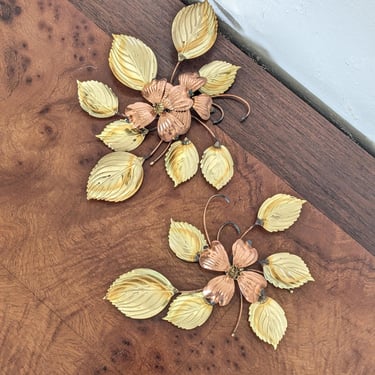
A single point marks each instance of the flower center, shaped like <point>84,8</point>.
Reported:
<point>233,272</point>
<point>159,108</point>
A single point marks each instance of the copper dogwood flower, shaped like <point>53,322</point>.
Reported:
<point>220,289</point>
<point>171,104</point>
<point>119,176</point>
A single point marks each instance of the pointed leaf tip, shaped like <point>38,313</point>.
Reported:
<point>181,161</point>
<point>186,241</point>
<point>217,166</point>
<point>279,212</point>
<point>267,320</point>
<point>116,177</point>
<point>194,30</point>
<point>189,311</point>
<point>220,76</point>
<point>141,293</point>
<point>286,271</point>
<point>132,62</point>
<point>121,135</point>
<point>97,99</point>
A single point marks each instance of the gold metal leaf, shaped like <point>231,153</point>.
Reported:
<point>194,30</point>
<point>132,62</point>
<point>141,293</point>
<point>217,165</point>
<point>121,135</point>
<point>186,241</point>
<point>181,161</point>
<point>279,212</point>
<point>267,320</point>
<point>189,311</point>
<point>286,271</point>
<point>116,177</point>
<point>97,99</point>
<point>220,76</point>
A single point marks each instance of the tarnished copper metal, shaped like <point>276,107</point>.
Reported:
<point>221,289</point>
<point>244,255</point>
<point>215,258</point>
<point>192,81</point>
<point>169,104</point>
<point>251,285</point>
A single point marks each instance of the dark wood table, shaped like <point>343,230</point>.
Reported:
<point>60,252</point>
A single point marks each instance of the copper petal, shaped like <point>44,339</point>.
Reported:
<point>155,90</point>
<point>219,290</point>
<point>184,117</point>
<point>251,284</point>
<point>177,99</point>
<point>243,254</point>
<point>192,81</point>
<point>215,258</point>
<point>202,105</point>
<point>169,126</point>
<point>140,114</point>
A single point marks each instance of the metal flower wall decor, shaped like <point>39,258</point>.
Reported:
<point>143,293</point>
<point>119,175</point>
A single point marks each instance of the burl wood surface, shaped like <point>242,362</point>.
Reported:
<point>60,252</point>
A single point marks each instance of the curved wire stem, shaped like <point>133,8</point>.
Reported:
<point>248,230</point>
<point>190,291</point>
<point>206,127</point>
<point>174,71</point>
<point>221,110</point>
<point>232,224</point>
<point>205,213</point>
<point>154,150</point>
<point>161,155</point>
<point>122,115</point>
<point>239,99</point>
<point>150,130</point>
<point>239,316</point>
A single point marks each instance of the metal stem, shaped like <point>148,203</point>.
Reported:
<point>161,155</point>
<point>205,213</point>
<point>239,99</point>
<point>206,127</point>
<point>174,71</point>
<point>239,316</point>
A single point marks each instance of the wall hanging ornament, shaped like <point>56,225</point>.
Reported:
<point>119,175</point>
<point>143,293</point>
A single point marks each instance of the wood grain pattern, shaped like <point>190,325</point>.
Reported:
<point>33,337</point>
<point>59,252</point>
<point>299,145</point>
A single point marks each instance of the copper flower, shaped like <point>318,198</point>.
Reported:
<point>171,104</point>
<point>220,289</point>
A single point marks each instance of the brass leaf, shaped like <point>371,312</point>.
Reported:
<point>181,161</point>
<point>194,30</point>
<point>217,165</point>
<point>279,212</point>
<point>117,176</point>
<point>141,293</point>
<point>189,311</point>
<point>220,76</point>
<point>267,320</point>
<point>286,271</point>
<point>132,62</point>
<point>186,241</point>
<point>97,99</point>
<point>121,135</point>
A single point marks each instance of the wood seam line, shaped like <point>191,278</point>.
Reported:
<point>105,360</point>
